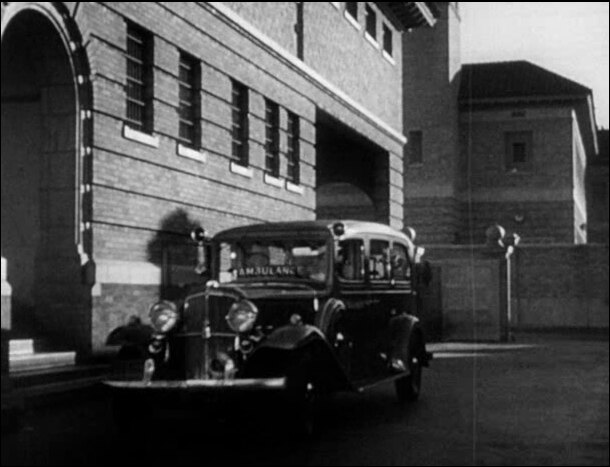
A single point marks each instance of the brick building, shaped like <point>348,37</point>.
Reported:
<point>125,124</point>
<point>489,143</point>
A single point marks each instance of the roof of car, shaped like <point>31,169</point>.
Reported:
<point>352,228</point>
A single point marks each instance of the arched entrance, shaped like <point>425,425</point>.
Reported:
<point>352,174</point>
<point>41,180</point>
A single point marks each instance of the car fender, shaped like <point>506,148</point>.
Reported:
<point>404,329</point>
<point>292,337</point>
<point>280,350</point>
<point>135,336</point>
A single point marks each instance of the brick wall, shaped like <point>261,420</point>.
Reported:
<point>540,202</point>
<point>561,286</point>
<point>333,45</point>
<point>555,286</point>
<point>430,100</point>
<point>535,222</point>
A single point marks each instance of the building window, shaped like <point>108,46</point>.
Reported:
<point>371,22</point>
<point>388,40</point>
<point>190,100</point>
<point>140,83</point>
<point>240,130</point>
<point>518,150</point>
<point>294,149</point>
<point>415,153</point>
<point>351,8</point>
<point>272,138</point>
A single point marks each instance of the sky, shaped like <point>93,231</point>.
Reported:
<point>570,39</point>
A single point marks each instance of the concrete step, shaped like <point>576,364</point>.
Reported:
<point>41,361</point>
<point>58,376</point>
<point>21,347</point>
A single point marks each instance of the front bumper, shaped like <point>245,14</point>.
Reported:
<point>200,386</point>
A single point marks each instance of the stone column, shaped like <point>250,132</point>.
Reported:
<point>6,299</point>
<point>6,318</point>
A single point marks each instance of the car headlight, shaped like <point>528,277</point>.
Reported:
<point>164,316</point>
<point>242,316</point>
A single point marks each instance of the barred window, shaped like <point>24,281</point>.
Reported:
<point>519,148</point>
<point>240,131</point>
<point>388,40</point>
<point>294,149</point>
<point>352,9</point>
<point>140,85</point>
<point>190,100</point>
<point>272,138</point>
<point>371,22</point>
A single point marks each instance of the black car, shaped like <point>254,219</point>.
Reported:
<point>297,310</point>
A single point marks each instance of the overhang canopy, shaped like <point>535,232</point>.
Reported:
<point>411,14</point>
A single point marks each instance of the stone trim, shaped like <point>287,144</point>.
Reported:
<point>190,153</point>
<point>140,137</point>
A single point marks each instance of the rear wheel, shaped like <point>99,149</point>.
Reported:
<point>408,388</point>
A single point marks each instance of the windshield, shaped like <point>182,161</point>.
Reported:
<point>274,260</point>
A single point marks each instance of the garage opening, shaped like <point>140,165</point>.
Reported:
<point>40,209</point>
<point>352,174</point>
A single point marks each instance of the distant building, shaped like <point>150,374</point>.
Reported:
<point>525,135</point>
<point>490,143</point>
<point>597,192</point>
<point>125,124</point>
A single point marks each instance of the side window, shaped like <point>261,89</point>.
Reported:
<point>401,268</point>
<point>379,265</point>
<point>350,260</point>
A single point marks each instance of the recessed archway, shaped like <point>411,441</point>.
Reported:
<point>41,180</point>
<point>352,174</point>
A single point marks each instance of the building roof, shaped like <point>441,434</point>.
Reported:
<point>515,79</point>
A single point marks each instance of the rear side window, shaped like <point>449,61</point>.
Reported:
<point>379,260</point>
<point>401,268</point>
<point>350,260</point>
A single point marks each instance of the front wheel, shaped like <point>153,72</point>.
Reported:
<point>408,388</point>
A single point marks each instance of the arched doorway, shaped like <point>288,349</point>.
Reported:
<point>40,180</point>
<point>352,173</point>
<point>344,201</point>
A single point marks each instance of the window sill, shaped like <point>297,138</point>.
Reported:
<point>297,189</point>
<point>273,181</point>
<point>389,58</point>
<point>371,40</point>
<point>140,137</point>
<point>353,21</point>
<point>240,170</point>
<point>190,153</point>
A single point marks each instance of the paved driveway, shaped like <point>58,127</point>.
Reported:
<point>542,401</point>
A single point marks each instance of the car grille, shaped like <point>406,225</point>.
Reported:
<point>201,311</point>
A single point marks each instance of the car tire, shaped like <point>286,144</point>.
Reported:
<point>408,388</point>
